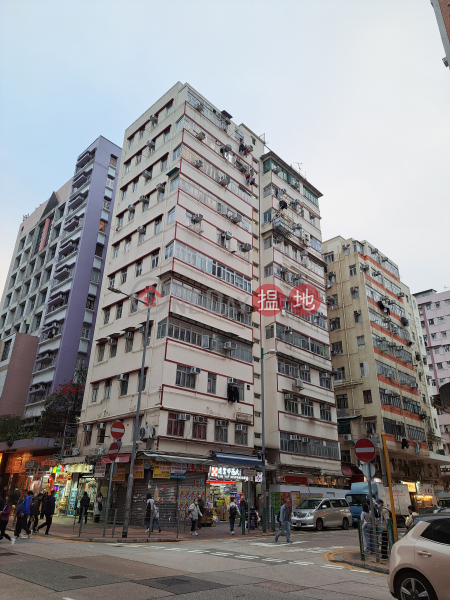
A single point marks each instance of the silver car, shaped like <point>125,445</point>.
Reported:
<point>321,512</point>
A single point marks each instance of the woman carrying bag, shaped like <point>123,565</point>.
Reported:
<point>367,528</point>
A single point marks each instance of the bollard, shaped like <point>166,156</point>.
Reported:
<point>243,521</point>
<point>114,522</point>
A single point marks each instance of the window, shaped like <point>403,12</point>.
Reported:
<point>221,431</point>
<point>101,436</point>
<point>158,225</point>
<point>160,195</point>
<point>139,268</point>
<point>141,133</point>
<point>431,321</point>
<point>101,352</point>
<point>155,259</point>
<point>438,531</point>
<point>240,435</point>
<point>166,136</point>
<point>127,166</point>
<point>199,431</point>
<point>129,341</point>
<point>336,348</point>
<point>119,309</point>
<point>124,386</point>
<point>124,193</point>
<point>174,426</point>
<point>120,221</point>
<point>291,405</point>
<point>131,142</point>
<point>145,205</point>
<point>439,366</point>
<point>339,373</point>
<point>307,407</point>
<point>212,382</point>
<point>184,378</point>
<point>443,334</point>
<point>134,305</point>
<point>142,235</point>
<point>328,257</point>
<point>355,292</point>
<point>441,320</point>
<point>95,275</point>
<point>342,401</point>
<point>113,351</point>
<point>358,316</point>
<point>85,331</point>
<point>325,380</point>
<point>87,437</point>
<point>437,351</point>
<point>95,392</point>
<point>177,152</point>
<point>123,275</point>
<point>138,158</point>
<point>171,216</point>
<point>168,253</point>
<point>135,187</point>
<point>325,412</point>
<point>335,323</point>
<point>371,427</point>
<point>127,244</point>
<point>367,396</point>
<point>169,109</point>
<point>163,164</point>
<point>116,250</point>
<point>107,389</point>
<point>360,341</point>
<point>352,270</point>
<point>433,336</point>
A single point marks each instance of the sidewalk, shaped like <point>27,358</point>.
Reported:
<point>63,528</point>
<point>354,559</point>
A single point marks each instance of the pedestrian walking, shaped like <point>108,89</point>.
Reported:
<point>243,506</point>
<point>385,514</point>
<point>201,505</point>
<point>194,514</point>
<point>4,518</point>
<point>409,521</point>
<point>285,515</point>
<point>84,505</point>
<point>23,514</point>
<point>34,513</point>
<point>367,527</point>
<point>155,522</point>
<point>149,511</point>
<point>98,507</point>
<point>49,512</point>
<point>233,512</point>
<point>43,504</point>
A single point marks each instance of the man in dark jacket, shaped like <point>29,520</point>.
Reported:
<point>34,513</point>
<point>49,512</point>
<point>84,505</point>
<point>23,516</point>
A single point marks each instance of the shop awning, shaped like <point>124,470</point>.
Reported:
<point>123,458</point>
<point>179,459</point>
<point>238,459</point>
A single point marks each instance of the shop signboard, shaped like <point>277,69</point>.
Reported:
<point>31,464</point>
<point>425,489</point>
<point>72,502</point>
<point>411,486</point>
<point>225,473</point>
<point>161,470</point>
<point>249,472</point>
<point>100,471</point>
<point>178,471</point>
<point>138,470</point>
<point>121,472</point>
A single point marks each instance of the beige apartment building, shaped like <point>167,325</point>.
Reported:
<point>380,361</point>
<point>207,215</point>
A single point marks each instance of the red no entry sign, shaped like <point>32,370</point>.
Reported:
<point>365,450</point>
<point>117,430</point>
<point>113,451</point>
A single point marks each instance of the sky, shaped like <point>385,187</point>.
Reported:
<point>354,91</point>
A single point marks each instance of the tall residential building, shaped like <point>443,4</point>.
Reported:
<point>56,270</point>
<point>205,215</point>
<point>434,311</point>
<point>442,11</point>
<point>379,361</point>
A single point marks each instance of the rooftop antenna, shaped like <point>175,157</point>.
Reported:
<point>299,166</point>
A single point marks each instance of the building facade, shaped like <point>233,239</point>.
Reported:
<point>56,270</point>
<point>442,11</point>
<point>205,216</point>
<point>434,313</point>
<point>379,361</point>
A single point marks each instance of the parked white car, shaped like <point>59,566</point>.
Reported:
<point>319,513</point>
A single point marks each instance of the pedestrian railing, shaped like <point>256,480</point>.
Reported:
<point>376,541</point>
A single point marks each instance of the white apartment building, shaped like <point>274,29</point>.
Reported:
<point>207,215</point>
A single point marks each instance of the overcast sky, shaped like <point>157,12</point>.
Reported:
<point>354,90</point>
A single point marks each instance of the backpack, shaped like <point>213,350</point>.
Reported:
<point>233,511</point>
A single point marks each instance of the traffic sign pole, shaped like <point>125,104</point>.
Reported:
<point>391,495</point>
<point>374,521</point>
<point>111,472</point>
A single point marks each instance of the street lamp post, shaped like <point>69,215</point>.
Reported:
<point>263,438</point>
<point>129,495</point>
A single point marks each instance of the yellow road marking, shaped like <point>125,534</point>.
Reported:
<point>329,557</point>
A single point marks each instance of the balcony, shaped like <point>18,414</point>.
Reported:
<point>73,223</point>
<point>84,159</point>
<point>80,189</point>
<point>81,180</point>
<point>77,201</point>
<point>64,257</point>
<point>64,273</point>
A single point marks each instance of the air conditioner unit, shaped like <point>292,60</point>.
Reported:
<point>128,335</point>
<point>147,174</point>
<point>195,370</point>
<point>401,295</point>
<point>331,274</point>
<point>384,259</point>
<point>298,383</point>
<point>226,235</point>
<point>304,254</point>
<point>118,228</point>
<point>296,185</point>
<point>112,342</point>
<point>225,149</point>
<point>239,427</point>
<point>160,187</point>
<point>131,208</point>
<point>199,107</point>
<point>364,267</point>
<point>304,368</point>
<point>289,396</point>
<point>399,423</point>
<point>198,164</point>
<point>198,419</point>
<point>414,386</point>
<point>141,228</point>
<point>276,169</point>
<point>398,438</point>
<point>221,423</point>
<point>326,376</point>
<point>288,330</point>
<point>101,425</point>
<point>75,451</point>
<point>236,217</point>
<point>347,437</point>
<point>224,181</point>
<point>121,377</point>
<point>284,270</point>
<point>153,119</point>
<point>67,453</point>
<point>142,198</point>
<point>197,218</point>
<point>201,136</point>
<point>297,278</point>
<point>87,427</point>
<point>295,437</point>
<point>305,439</point>
<point>422,413</point>
<point>246,247</point>
<point>98,451</point>
<point>232,380</point>
<point>183,417</point>
<point>230,346</point>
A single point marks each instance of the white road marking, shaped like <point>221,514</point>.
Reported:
<point>247,557</point>
<point>330,567</point>
<point>222,553</point>
<point>273,560</point>
<point>174,549</point>
<point>336,546</point>
<point>359,570</point>
<point>198,551</point>
<point>298,562</point>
